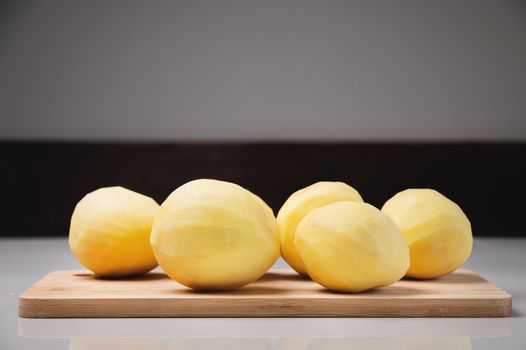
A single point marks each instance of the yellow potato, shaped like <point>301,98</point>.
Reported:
<point>110,232</point>
<point>351,247</point>
<point>302,202</point>
<point>214,235</point>
<point>437,231</point>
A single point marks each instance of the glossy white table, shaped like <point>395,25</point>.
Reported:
<point>24,261</point>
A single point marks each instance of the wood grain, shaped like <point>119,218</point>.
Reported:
<point>280,293</point>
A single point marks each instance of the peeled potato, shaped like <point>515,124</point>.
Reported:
<point>110,232</point>
<point>437,231</point>
<point>351,247</point>
<point>302,202</point>
<point>214,235</point>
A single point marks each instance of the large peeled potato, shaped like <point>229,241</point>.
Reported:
<point>437,231</point>
<point>302,202</point>
<point>110,232</point>
<point>351,247</point>
<point>214,235</point>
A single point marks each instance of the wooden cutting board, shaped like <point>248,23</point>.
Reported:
<point>280,293</point>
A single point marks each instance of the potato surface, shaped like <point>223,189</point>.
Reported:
<point>351,247</point>
<point>436,229</point>
<point>110,232</point>
<point>302,202</point>
<point>214,235</point>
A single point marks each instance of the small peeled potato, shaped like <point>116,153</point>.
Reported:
<point>110,232</point>
<point>436,229</point>
<point>214,235</point>
<point>351,247</point>
<point>302,202</point>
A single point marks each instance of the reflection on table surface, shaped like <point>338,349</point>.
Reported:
<point>300,343</point>
<point>263,333</point>
<point>264,327</point>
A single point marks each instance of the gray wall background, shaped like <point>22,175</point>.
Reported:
<point>263,70</point>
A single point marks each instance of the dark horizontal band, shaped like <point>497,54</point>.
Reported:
<point>42,181</point>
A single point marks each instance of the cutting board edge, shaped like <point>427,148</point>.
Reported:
<point>33,305</point>
<point>72,308</point>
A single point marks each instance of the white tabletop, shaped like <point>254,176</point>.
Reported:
<point>24,261</point>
